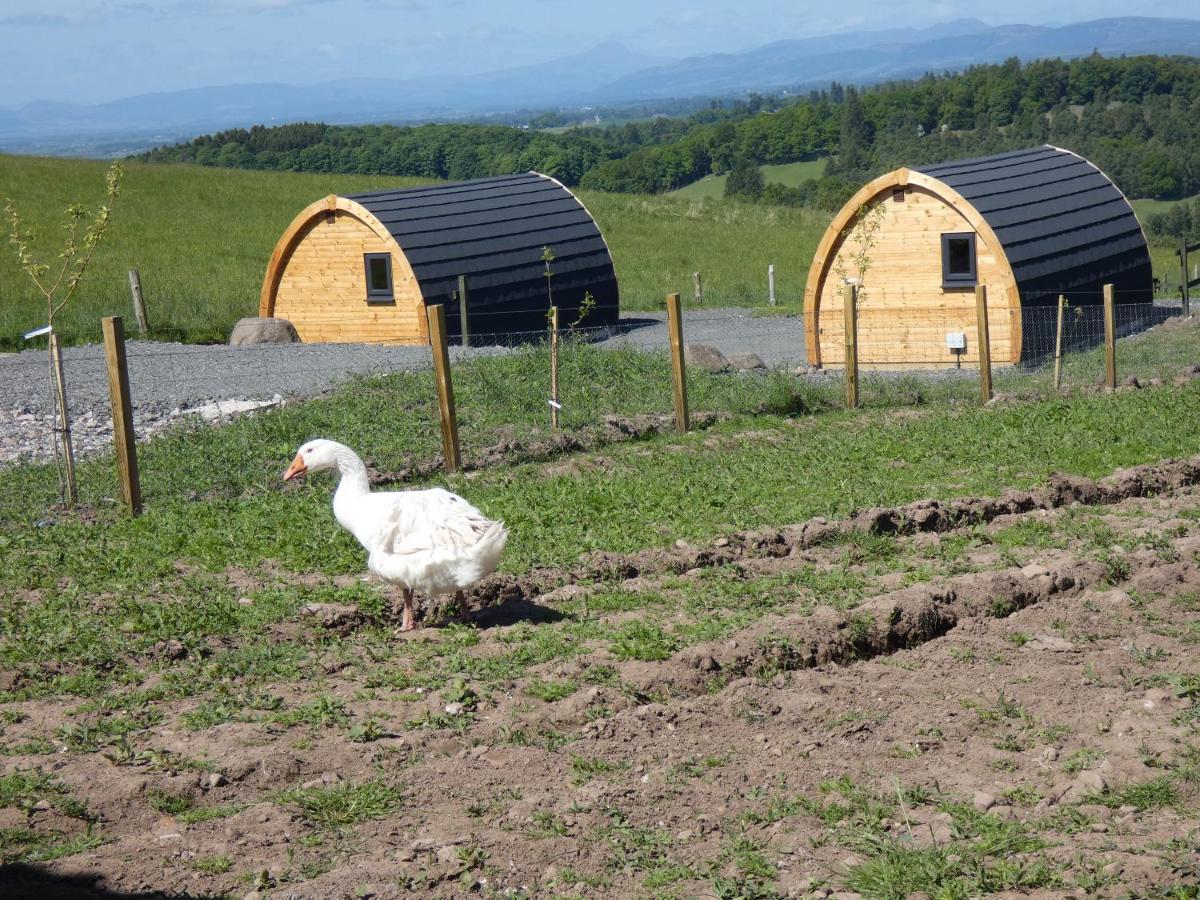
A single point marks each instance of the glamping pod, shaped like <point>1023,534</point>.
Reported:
<point>1029,225</point>
<point>362,268</point>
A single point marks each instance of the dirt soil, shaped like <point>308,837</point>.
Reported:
<point>993,696</point>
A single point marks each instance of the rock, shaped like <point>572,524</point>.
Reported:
<point>217,779</point>
<point>983,801</point>
<point>1132,382</point>
<point>219,410</point>
<point>746,362</point>
<point>706,357</point>
<point>1049,642</point>
<point>172,649</point>
<point>1086,784</point>
<point>259,330</point>
<point>341,618</point>
<point>1156,697</point>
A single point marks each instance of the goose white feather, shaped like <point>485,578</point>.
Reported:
<point>430,541</point>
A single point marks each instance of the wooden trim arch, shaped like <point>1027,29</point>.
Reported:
<point>900,178</point>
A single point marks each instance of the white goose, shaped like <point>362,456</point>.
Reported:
<point>430,541</point>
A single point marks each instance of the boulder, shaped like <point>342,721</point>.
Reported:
<point>746,362</point>
<point>706,357</point>
<point>258,330</point>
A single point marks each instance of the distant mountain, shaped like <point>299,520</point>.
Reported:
<point>609,74</point>
<point>153,119</point>
<point>866,57</point>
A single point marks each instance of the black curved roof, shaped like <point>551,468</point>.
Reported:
<point>493,230</point>
<point>1064,226</point>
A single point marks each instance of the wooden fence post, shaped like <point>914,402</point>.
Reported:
<point>985,343</point>
<point>122,413</point>
<point>1062,304</point>
<point>64,419</point>
<point>699,288</point>
<point>554,404</point>
<point>139,305</point>
<point>850,306</point>
<point>445,389</point>
<point>464,299</point>
<point>771,283</point>
<point>1185,294</point>
<point>1110,338</point>
<point>678,370</point>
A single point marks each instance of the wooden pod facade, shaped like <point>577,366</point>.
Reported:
<point>1029,225</point>
<point>362,268</point>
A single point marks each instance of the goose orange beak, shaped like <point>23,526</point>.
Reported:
<point>295,469</point>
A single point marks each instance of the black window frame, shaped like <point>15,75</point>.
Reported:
<point>959,279</point>
<point>379,295</point>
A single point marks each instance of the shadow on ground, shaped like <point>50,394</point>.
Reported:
<point>24,882</point>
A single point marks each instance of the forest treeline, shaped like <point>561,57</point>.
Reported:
<point>1137,118</point>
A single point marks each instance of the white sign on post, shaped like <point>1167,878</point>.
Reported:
<point>956,340</point>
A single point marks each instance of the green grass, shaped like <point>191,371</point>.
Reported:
<point>344,804</point>
<point>551,690</point>
<point>94,594</point>
<point>1162,250</point>
<point>1146,208</point>
<point>201,238</point>
<point>788,174</point>
<point>107,587</point>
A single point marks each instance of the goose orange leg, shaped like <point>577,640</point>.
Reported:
<point>407,623</point>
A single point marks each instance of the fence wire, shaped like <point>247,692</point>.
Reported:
<point>219,422</point>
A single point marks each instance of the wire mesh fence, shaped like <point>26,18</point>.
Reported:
<point>221,422</point>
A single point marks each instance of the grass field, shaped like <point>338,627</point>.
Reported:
<point>1145,208</point>
<point>201,238</point>
<point>788,174</point>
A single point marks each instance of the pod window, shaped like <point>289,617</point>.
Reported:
<point>958,260</point>
<point>379,277</point>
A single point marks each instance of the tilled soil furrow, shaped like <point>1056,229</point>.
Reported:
<point>921,516</point>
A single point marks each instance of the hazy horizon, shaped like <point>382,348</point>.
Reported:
<point>114,50</point>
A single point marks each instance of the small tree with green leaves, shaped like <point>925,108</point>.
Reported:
<point>547,258</point>
<point>58,282</point>
<point>859,237</point>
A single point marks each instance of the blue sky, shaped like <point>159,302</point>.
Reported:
<point>96,50</point>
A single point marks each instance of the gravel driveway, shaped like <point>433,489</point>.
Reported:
<point>168,380</point>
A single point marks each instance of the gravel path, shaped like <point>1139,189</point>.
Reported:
<point>170,380</point>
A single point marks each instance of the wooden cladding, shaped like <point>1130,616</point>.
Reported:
<point>912,296</point>
<point>339,279</point>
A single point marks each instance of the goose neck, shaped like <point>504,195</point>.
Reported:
<point>353,473</point>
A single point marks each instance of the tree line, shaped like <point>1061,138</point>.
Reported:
<point>1137,118</point>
